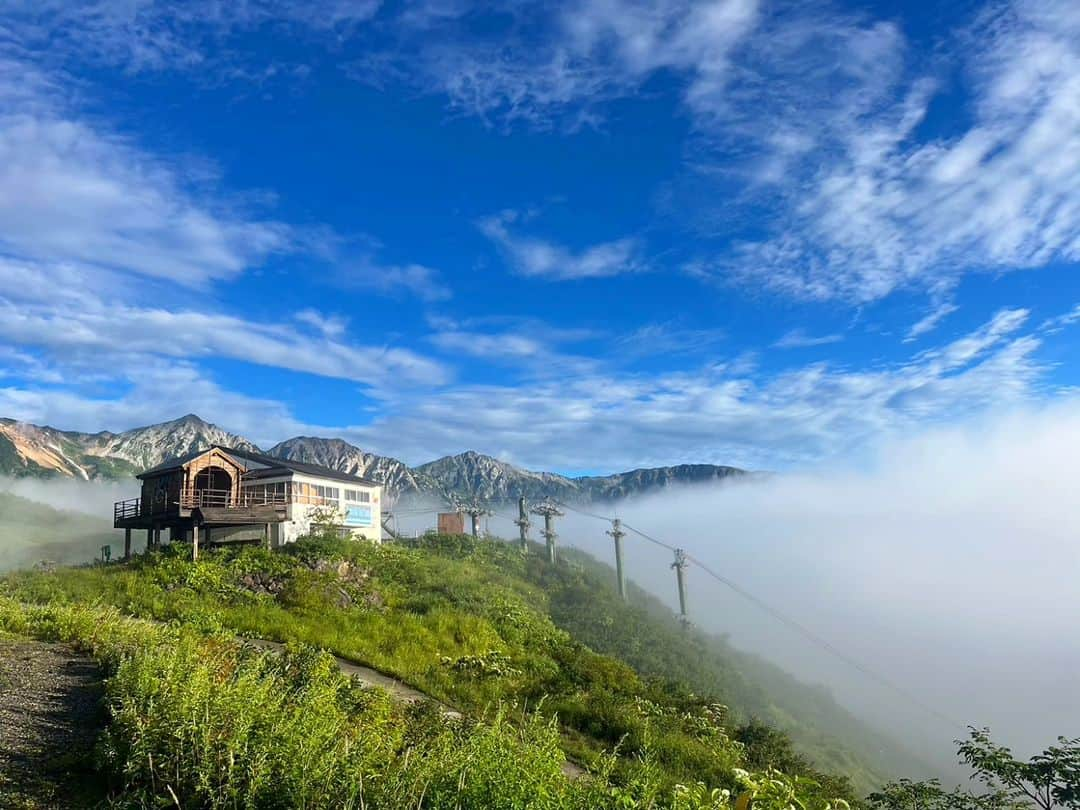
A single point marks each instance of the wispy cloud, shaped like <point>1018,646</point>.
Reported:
<point>939,311</point>
<point>417,280</point>
<point>826,113</point>
<point>540,258</point>
<point>74,191</point>
<point>666,338</point>
<point>1059,322</point>
<point>722,413</point>
<point>330,326</point>
<point>877,207</point>
<point>556,64</point>
<point>158,35</point>
<point>799,339</point>
<point>528,349</point>
<point>95,332</point>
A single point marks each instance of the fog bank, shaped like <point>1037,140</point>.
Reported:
<point>58,520</point>
<point>947,562</point>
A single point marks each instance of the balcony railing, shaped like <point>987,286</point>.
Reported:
<point>126,510</point>
<point>226,498</point>
<point>214,498</point>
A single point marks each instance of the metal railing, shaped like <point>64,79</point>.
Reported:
<point>126,510</point>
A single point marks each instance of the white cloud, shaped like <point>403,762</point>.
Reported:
<point>540,258</point>
<point>799,339</point>
<point>665,338</point>
<point>877,207</point>
<point>815,116</point>
<point>944,559</point>
<point>94,332</point>
<point>572,418</point>
<point>722,413</point>
<point>159,389</point>
<point>524,348</point>
<point>392,279</point>
<point>584,54</point>
<point>1059,322</point>
<point>507,346</point>
<point>72,191</point>
<point>92,228</point>
<point>929,322</point>
<point>331,326</point>
<point>152,35</point>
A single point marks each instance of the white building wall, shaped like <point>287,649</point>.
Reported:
<point>301,514</point>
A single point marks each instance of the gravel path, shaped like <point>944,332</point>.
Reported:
<point>50,716</point>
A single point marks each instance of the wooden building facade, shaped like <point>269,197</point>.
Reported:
<point>225,494</point>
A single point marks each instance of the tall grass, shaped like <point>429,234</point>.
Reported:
<point>198,720</point>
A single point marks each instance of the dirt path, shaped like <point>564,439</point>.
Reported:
<point>368,677</point>
<point>50,716</point>
<point>401,691</point>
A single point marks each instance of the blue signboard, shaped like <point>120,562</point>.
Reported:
<point>358,516</point>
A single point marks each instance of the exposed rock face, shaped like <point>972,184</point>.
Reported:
<point>27,449</point>
<point>338,454</point>
<point>146,446</point>
<point>475,475</point>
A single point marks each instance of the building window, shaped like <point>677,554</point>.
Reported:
<point>357,496</point>
<point>327,493</point>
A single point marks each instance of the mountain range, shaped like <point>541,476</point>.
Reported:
<point>33,450</point>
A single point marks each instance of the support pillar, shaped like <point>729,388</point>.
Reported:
<point>549,535</point>
<point>549,511</point>
<point>149,539</point>
<point>195,543</point>
<point>127,544</point>
<point>523,524</point>
<point>617,534</point>
<point>680,575</point>
<point>267,536</point>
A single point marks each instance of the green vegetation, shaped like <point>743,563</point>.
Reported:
<point>471,623</point>
<point>544,662</point>
<point>1047,781</point>
<point>648,637</point>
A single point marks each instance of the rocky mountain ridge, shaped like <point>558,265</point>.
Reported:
<point>33,450</point>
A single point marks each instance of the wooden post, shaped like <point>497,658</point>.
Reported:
<point>149,539</point>
<point>267,536</point>
<point>127,544</point>
<point>195,543</point>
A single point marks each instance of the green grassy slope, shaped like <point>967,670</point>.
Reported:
<point>648,636</point>
<point>477,625</point>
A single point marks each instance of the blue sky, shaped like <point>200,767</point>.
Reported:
<point>580,237</point>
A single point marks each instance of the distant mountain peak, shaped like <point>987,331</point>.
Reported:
<point>27,449</point>
<point>191,419</point>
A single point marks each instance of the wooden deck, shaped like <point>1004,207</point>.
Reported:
<point>208,507</point>
<point>239,515</point>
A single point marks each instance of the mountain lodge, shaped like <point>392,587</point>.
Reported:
<point>230,495</point>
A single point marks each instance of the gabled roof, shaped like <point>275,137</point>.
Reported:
<point>174,463</point>
<point>260,465</point>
